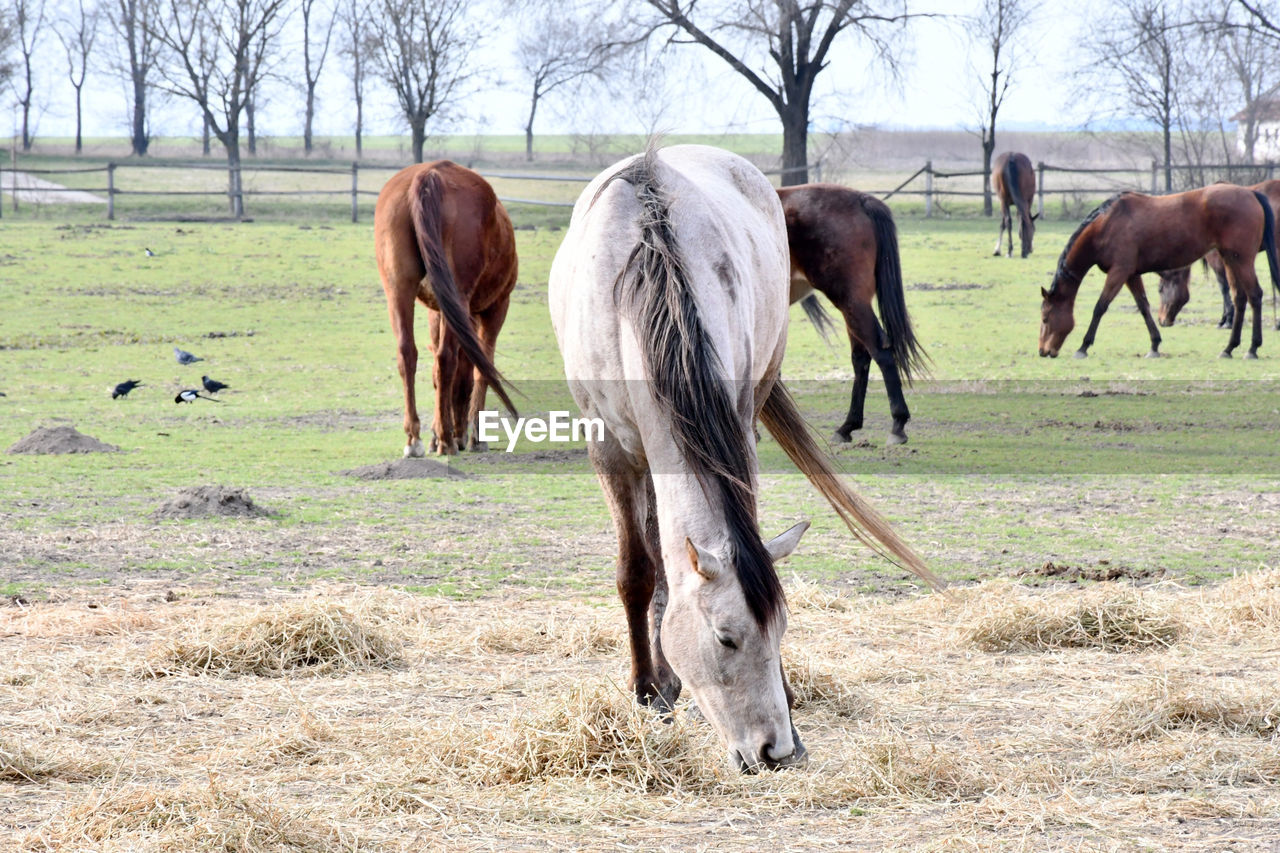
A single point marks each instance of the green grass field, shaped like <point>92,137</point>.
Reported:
<point>1170,468</point>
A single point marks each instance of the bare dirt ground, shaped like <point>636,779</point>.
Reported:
<point>33,190</point>
<point>343,719</point>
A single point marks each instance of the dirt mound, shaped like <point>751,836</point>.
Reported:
<point>61,439</point>
<point>206,501</point>
<point>1104,571</point>
<point>406,469</point>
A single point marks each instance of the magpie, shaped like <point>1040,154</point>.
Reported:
<point>213,386</point>
<point>190,395</point>
<point>123,389</point>
<point>150,254</point>
<point>185,357</point>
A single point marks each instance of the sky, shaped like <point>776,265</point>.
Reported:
<point>937,89</point>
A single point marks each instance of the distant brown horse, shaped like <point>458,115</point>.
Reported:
<point>844,244</point>
<point>1132,233</point>
<point>1014,183</point>
<point>1175,285</point>
<point>444,239</point>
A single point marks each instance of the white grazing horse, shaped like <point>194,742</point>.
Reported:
<point>669,298</point>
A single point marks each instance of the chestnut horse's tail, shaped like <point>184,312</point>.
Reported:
<point>425,195</point>
<point>1269,246</point>
<point>907,352</point>
<point>781,417</point>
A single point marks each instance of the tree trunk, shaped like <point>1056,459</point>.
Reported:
<point>235,198</point>
<point>528,128</point>
<point>418,132</point>
<point>988,146</point>
<point>138,136</point>
<point>253,136</point>
<point>79,139</point>
<point>1168,156</point>
<point>359,126</point>
<point>204,138</point>
<point>311,111</point>
<point>795,146</point>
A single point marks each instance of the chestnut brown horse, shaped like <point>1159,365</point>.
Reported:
<point>1175,285</point>
<point>1131,233</point>
<point>444,239</point>
<point>844,244</point>
<point>1014,183</point>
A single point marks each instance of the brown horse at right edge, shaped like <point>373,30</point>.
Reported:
<point>444,239</point>
<point>844,244</point>
<point>1131,234</point>
<point>1014,183</point>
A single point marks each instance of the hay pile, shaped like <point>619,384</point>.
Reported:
<point>314,638</point>
<point>1101,618</point>
<point>60,439</point>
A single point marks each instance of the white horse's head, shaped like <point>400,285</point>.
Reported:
<point>730,662</point>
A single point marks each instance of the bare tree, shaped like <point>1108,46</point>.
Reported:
<point>559,45</point>
<point>30,18</point>
<point>781,46</point>
<point>355,28</point>
<point>77,30</point>
<point>216,55</point>
<point>312,74</point>
<point>422,50</point>
<point>1138,57</point>
<point>995,31</point>
<point>132,22</point>
<point>1244,39</point>
<point>1264,17</point>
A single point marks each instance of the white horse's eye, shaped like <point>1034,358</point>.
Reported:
<point>726,641</point>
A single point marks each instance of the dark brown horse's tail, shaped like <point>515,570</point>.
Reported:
<point>1269,246</point>
<point>818,316</point>
<point>1013,183</point>
<point>781,417</point>
<point>890,295</point>
<point>425,195</point>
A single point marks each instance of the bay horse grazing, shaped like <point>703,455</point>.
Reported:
<point>1175,285</point>
<point>443,239</point>
<point>844,244</point>
<point>669,301</point>
<point>1131,233</point>
<point>1014,183</point>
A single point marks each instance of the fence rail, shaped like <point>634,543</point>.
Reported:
<point>236,197</point>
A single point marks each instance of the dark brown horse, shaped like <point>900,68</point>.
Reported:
<point>844,244</point>
<point>1175,285</point>
<point>1014,183</point>
<point>1132,233</point>
<point>444,239</point>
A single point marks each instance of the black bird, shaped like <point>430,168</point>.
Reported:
<point>185,357</point>
<point>150,254</point>
<point>213,386</point>
<point>123,389</point>
<point>190,395</point>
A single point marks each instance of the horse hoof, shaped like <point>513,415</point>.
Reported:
<point>896,438</point>
<point>841,437</point>
<point>414,449</point>
<point>1251,355</point>
<point>1081,354</point>
<point>1226,353</point>
<point>478,447</point>
<point>1153,354</point>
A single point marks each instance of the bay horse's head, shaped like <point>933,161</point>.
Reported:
<point>730,659</point>
<point>1057,319</point>
<point>1175,292</point>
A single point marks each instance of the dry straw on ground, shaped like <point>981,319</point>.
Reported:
<point>507,724</point>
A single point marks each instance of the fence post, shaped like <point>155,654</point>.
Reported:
<point>111,191</point>
<point>13,163</point>
<point>1155,171</point>
<point>817,172</point>
<point>1271,170</point>
<point>1040,190</point>
<point>355,189</point>
<point>928,188</point>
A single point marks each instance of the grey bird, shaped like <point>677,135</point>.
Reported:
<point>190,395</point>
<point>185,357</point>
<point>123,389</point>
<point>213,386</point>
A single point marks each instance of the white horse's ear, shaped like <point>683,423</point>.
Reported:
<point>704,562</point>
<point>785,542</point>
